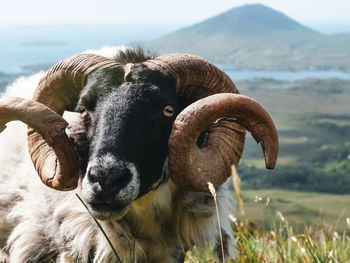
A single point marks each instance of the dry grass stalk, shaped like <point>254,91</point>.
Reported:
<point>213,192</point>
<point>2,222</point>
<point>237,185</point>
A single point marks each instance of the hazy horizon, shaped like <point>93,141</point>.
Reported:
<point>29,45</point>
<point>324,28</point>
<point>326,17</point>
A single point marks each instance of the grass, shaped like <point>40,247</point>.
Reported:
<point>101,229</point>
<point>282,244</point>
<point>312,118</point>
<point>279,240</point>
<point>276,239</point>
<point>260,162</point>
<point>213,192</point>
<point>285,226</point>
<point>301,208</point>
<point>2,222</point>
<point>298,117</point>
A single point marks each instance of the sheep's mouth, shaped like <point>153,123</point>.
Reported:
<point>107,212</point>
<point>108,200</point>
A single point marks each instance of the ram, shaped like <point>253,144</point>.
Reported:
<point>146,136</point>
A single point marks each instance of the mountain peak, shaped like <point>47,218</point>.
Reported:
<point>259,37</point>
<point>249,20</point>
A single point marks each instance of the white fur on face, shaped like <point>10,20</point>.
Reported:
<point>133,188</point>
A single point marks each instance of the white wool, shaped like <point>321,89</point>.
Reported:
<point>24,86</point>
<point>44,225</point>
<point>106,51</point>
<point>14,150</point>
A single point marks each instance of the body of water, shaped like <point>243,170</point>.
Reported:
<point>23,49</point>
<point>23,46</point>
<point>286,75</point>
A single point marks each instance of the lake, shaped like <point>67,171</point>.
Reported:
<point>25,48</point>
<point>286,75</point>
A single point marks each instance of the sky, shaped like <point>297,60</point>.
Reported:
<point>177,12</point>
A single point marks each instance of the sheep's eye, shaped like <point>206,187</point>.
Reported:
<point>168,111</point>
<point>83,112</point>
<point>81,109</point>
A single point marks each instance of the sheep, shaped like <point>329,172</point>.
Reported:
<point>145,136</point>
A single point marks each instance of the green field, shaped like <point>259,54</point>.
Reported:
<point>290,227</point>
<point>312,118</point>
<point>301,209</point>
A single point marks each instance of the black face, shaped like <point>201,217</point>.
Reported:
<point>128,128</point>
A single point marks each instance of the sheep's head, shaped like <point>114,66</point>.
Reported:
<point>133,117</point>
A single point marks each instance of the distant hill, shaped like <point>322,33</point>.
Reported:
<point>256,36</point>
<point>247,20</point>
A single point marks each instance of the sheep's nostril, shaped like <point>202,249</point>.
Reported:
<point>93,175</point>
<point>119,179</point>
<point>112,180</point>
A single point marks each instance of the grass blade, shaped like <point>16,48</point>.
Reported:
<point>100,227</point>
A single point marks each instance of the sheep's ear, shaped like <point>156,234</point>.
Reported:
<point>77,131</point>
<point>76,125</point>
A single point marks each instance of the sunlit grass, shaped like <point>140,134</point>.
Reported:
<point>301,208</point>
<point>283,244</point>
<point>300,139</point>
<point>260,163</point>
<point>334,121</point>
<point>2,222</point>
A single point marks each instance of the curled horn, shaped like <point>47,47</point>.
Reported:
<point>51,126</point>
<point>56,160</point>
<point>195,166</point>
<point>191,167</point>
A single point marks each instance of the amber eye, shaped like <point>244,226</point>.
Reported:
<point>168,111</point>
<point>83,112</point>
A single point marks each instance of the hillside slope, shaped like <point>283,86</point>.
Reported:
<point>247,20</point>
<point>256,36</point>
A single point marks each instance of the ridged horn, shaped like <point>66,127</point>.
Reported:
<point>50,125</point>
<point>193,167</point>
<point>195,79</point>
<point>59,90</point>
